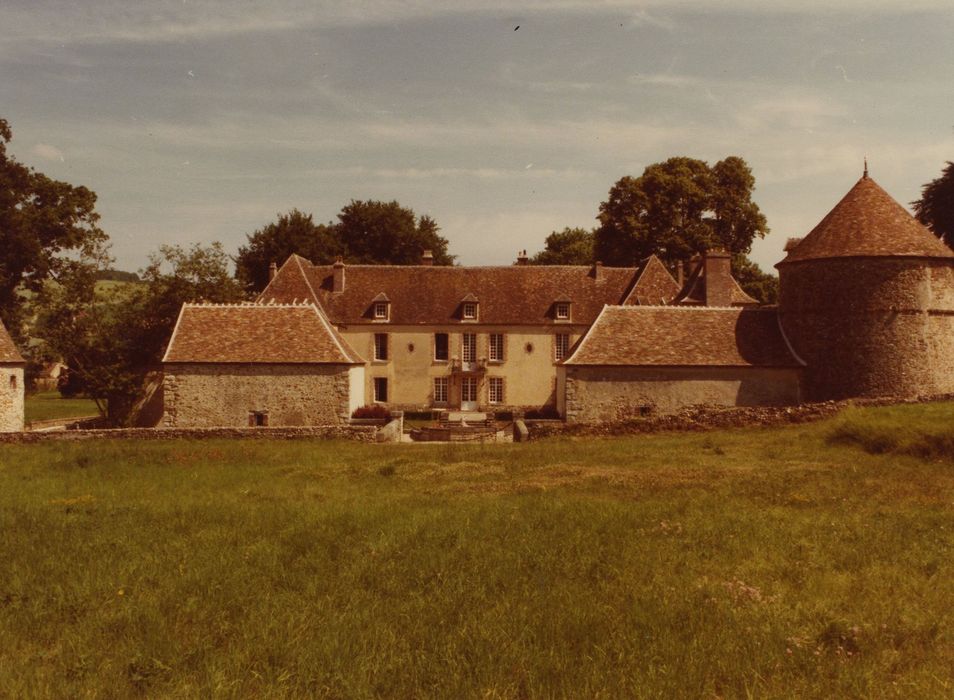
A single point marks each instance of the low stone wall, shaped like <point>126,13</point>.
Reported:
<point>357,433</point>
<point>696,418</point>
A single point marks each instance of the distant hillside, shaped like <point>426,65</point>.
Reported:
<point>117,276</point>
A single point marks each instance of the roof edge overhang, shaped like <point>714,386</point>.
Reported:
<point>699,366</point>
<point>862,256</point>
<point>270,363</point>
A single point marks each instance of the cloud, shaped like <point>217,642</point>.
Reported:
<point>48,152</point>
<point>664,80</point>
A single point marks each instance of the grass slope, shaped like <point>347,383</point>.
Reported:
<point>765,563</point>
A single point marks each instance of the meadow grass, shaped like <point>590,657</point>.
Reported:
<point>49,405</point>
<point>787,562</point>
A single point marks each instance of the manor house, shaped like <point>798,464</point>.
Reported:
<point>11,384</point>
<point>866,309</point>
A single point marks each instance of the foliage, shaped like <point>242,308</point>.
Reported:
<point>47,227</point>
<point>756,562</point>
<point>110,339</point>
<point>935,209</point>
<point>113,275</point>
<point>754,282</point>
<point>678,208</point>
<point>571,246</point>
<point>373,411</point>
<point>368,232</point>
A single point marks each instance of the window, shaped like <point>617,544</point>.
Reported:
<point>562,310</point>
<point>496,353</point>
<point>441,347</point>
<point>381,389</point>
<point>258,419</point>
<point>469,347</point>
<point>381,310</point>
<point>380,346</point>
<point>561,345</point>
<point>440,389</point>
<point>470,310</point>
<point>495,389</point>
<point>13,382</point>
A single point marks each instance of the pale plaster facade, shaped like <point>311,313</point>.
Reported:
<point>11,398</point>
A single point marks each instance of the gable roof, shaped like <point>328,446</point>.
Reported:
<point>430,295</point>
<point>684,336</point>
<point>867,222</point>
<point>8,351</point>
<point>257,334</point>
<point>654,285</point>
<point>693,291</point>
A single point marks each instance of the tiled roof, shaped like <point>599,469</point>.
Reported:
<point>654,285</point>
<point>694,290</point>
<point>430,295</point>
<point>684,336</point>
<point>257,334</point>
<point>867,222</point>
<point>8,351</point>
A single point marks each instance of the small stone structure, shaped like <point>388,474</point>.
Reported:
<point>11,384</point>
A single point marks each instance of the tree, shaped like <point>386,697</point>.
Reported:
<point>368,232</point>
<point>678,208</point>
<point>294,232</point>
<point>111,339</point>
<point>571,246</point>
<point>935,209</point>
<point>754,281</point>
<point>46,228</point>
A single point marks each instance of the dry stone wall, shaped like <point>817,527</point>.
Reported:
<point>11,398</point>
<point>207,395</point>
<point>357,433</point>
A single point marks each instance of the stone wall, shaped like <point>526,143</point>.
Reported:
<point>871,326</point>
<point>596,394</point>
<point>209,395</point>
<point>11,398</point>
<point>357,433</point>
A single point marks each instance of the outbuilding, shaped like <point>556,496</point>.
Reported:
<point>12,365</point>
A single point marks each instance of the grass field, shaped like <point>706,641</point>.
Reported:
<point>49,405</point>
<point>806,561</point>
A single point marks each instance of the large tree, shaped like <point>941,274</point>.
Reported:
<point>678,208</point>
<point>368,232</point>
<point>46,227</point>
<point>935,209</point>
<point>571,246</point>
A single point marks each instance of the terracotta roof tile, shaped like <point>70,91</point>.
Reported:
<point>429,295</point>
<point>256,334</point>
<point>693,291</point>
<point>8,351</point>
<point>682,336</point>
<point>867,222</point>
<point>654,285</point>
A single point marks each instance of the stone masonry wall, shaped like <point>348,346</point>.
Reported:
<point>207,395</point>
<point>356,433</point>
<point>596,394</point>
<point>11,398</point>
<point>871,327</point>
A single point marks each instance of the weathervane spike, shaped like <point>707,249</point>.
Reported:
<point>865,175</point>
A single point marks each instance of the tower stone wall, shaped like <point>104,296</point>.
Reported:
<point>871,326</point>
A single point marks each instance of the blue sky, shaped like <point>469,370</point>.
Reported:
<point>201,120</point>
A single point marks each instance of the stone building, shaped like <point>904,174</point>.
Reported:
<point>12,365</point>
<point>230,365</point>
<point>867,301</point>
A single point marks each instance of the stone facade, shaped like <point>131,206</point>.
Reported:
<point>596,394</point>
<point>11,397</point>
<point>214,395</point>
<point>871,326</point>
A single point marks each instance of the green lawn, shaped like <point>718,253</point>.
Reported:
<point>806,561</point>
<point>49,405</point>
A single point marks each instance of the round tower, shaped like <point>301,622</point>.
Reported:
<point>866,300</point>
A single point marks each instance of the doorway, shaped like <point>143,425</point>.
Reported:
<point>468,393</point>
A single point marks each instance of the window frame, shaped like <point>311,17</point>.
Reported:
<point>469,311</point>
<point>558,340</point>
<point>446,357</point>
<point>385,309</point>
<point>500,387</point>
<point>561,311</point>
<point>378,355</point>
<point>498,357</point>
<point>377,384</point>
<point>444,384</point>
<point>464,347</point>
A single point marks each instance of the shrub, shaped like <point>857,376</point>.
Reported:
<point>544,412</point>
<point>372,411</point>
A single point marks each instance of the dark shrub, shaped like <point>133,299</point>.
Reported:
<point>372,411</point>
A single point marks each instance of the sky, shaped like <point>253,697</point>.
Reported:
<point>203,120</point>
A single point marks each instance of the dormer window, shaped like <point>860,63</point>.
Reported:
<point>561,311</point>
<point>470,310</point>
<point>381,310</point>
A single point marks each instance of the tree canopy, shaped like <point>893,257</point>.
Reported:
<point>571,246</point>
<point>678,208</point>
<point>369,232</point>
<point>935,209</point>
<point>46,226</point>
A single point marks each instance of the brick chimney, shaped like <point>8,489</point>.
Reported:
<point>522,258</point>
<point>427,258</point>
<point>597,271</point>
<point>339,270</point>
<point>272,271</point>
<point>718,277</point>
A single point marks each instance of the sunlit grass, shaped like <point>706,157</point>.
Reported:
<point>49,405</point>
<point>770,563</point>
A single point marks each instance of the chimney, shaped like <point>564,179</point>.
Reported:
<point>427,258</point>
<point>339,270</point>
<point>522,258</point>
<point>718,278</point>
<point>598,270</point>
<point>272,271</point>
<point>680,273</point>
